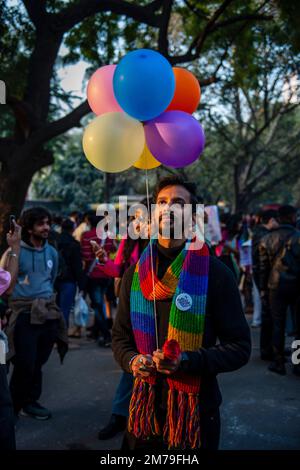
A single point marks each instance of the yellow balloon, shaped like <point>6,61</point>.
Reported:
<point>113,142</point>
<point>146,160</point>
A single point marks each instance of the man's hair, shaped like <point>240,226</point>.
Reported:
<point>177,180</point>
<point>267,215</point>
<point>30,217</point>
<point>286,214</point>
<point>67,225</point>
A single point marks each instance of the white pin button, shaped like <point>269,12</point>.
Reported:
<point>183,302</point>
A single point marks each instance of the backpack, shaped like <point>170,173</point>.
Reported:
<point>287,261</point>
<point>291,258</point>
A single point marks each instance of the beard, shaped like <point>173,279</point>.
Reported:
<point>172,228</point>
<point>41,235</point>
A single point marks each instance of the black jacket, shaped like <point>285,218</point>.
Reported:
<point>259,232</point>
<point>272,266</point>
<point>70,261</point>
<point>225,320</point>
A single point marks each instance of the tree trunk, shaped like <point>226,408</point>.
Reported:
<point>16,174</point>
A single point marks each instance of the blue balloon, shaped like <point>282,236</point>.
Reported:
<point>144,84</point>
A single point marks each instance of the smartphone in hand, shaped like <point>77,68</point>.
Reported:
<point>12,219</point>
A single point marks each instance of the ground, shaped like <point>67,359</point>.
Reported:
<point>260,410</point>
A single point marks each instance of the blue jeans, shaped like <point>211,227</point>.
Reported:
<point>123,395</point>
<point>66,297</point>
<point>96,289</point>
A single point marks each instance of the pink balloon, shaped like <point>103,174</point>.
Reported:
<point>100,93</point>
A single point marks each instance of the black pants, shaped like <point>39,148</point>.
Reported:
<point>96,289</point>
<point>33,346</point>
<point>280,300</point>
<point>266,326</point>
<point>210,425</point>
<point>7,425</point>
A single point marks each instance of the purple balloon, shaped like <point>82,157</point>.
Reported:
<point>175,138</point>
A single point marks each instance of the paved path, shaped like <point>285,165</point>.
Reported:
<point>260,409</point>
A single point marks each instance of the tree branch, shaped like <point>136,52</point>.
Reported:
<point>163,42</point>
<point>36,10</point>
<point>239,18</point>
<point>277,180</point>
<point>75,13</point>
<point>53,129</point>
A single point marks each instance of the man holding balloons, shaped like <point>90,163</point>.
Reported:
<point>176,301</point>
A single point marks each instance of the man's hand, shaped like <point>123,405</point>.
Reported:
<point>165,365</point>
<point>142,366</point>
<point>14,239</point>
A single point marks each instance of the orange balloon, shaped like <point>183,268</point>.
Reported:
<point>187,92</point>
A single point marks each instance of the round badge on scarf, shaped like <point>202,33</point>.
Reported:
<point>50,263</point>
<point>183,302</point>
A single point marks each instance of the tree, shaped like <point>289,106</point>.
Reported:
<point>33,33</point>
<point>255,131</point>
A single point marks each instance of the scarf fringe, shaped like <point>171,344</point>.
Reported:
<point>182,428</point>
<point>142,418</point>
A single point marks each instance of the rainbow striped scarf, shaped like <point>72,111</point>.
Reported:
<point>188,274</point>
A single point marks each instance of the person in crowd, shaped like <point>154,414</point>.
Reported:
<point>83,227</point>
<point>279,276</point>
<point>8,277</point>
<point>128,254</point>
<point>267,222</point>
<point>98,280</point>
<point>56,223</point>
<point>35,322</point>
<point>75,216</point>
<point>230,252</point>
<point>175,392</point>
<point>71,274</point>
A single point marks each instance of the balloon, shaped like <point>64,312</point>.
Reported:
<point>100,93</point>
<point>113,142</point>
<point>146,160</point>
<point>175,138</point>
<point>187,92</point>
<point>144,84</point>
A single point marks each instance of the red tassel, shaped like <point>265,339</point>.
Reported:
<point>194,422</point>
<point>171,349</point>
<point>171,420</point>
<point>182,409</point>
<point>142,419</point>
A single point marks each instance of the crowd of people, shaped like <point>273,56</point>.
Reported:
<point>196,297</point>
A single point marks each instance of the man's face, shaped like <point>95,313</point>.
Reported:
<point>171,222</point>
<point>273,224</point>
<point>41,229</point>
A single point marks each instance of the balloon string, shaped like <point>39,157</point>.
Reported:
<point>151,260</point>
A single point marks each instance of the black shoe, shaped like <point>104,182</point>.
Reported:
<point>278,367</point>
<point>117,423</point>
<point>35,410</point>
